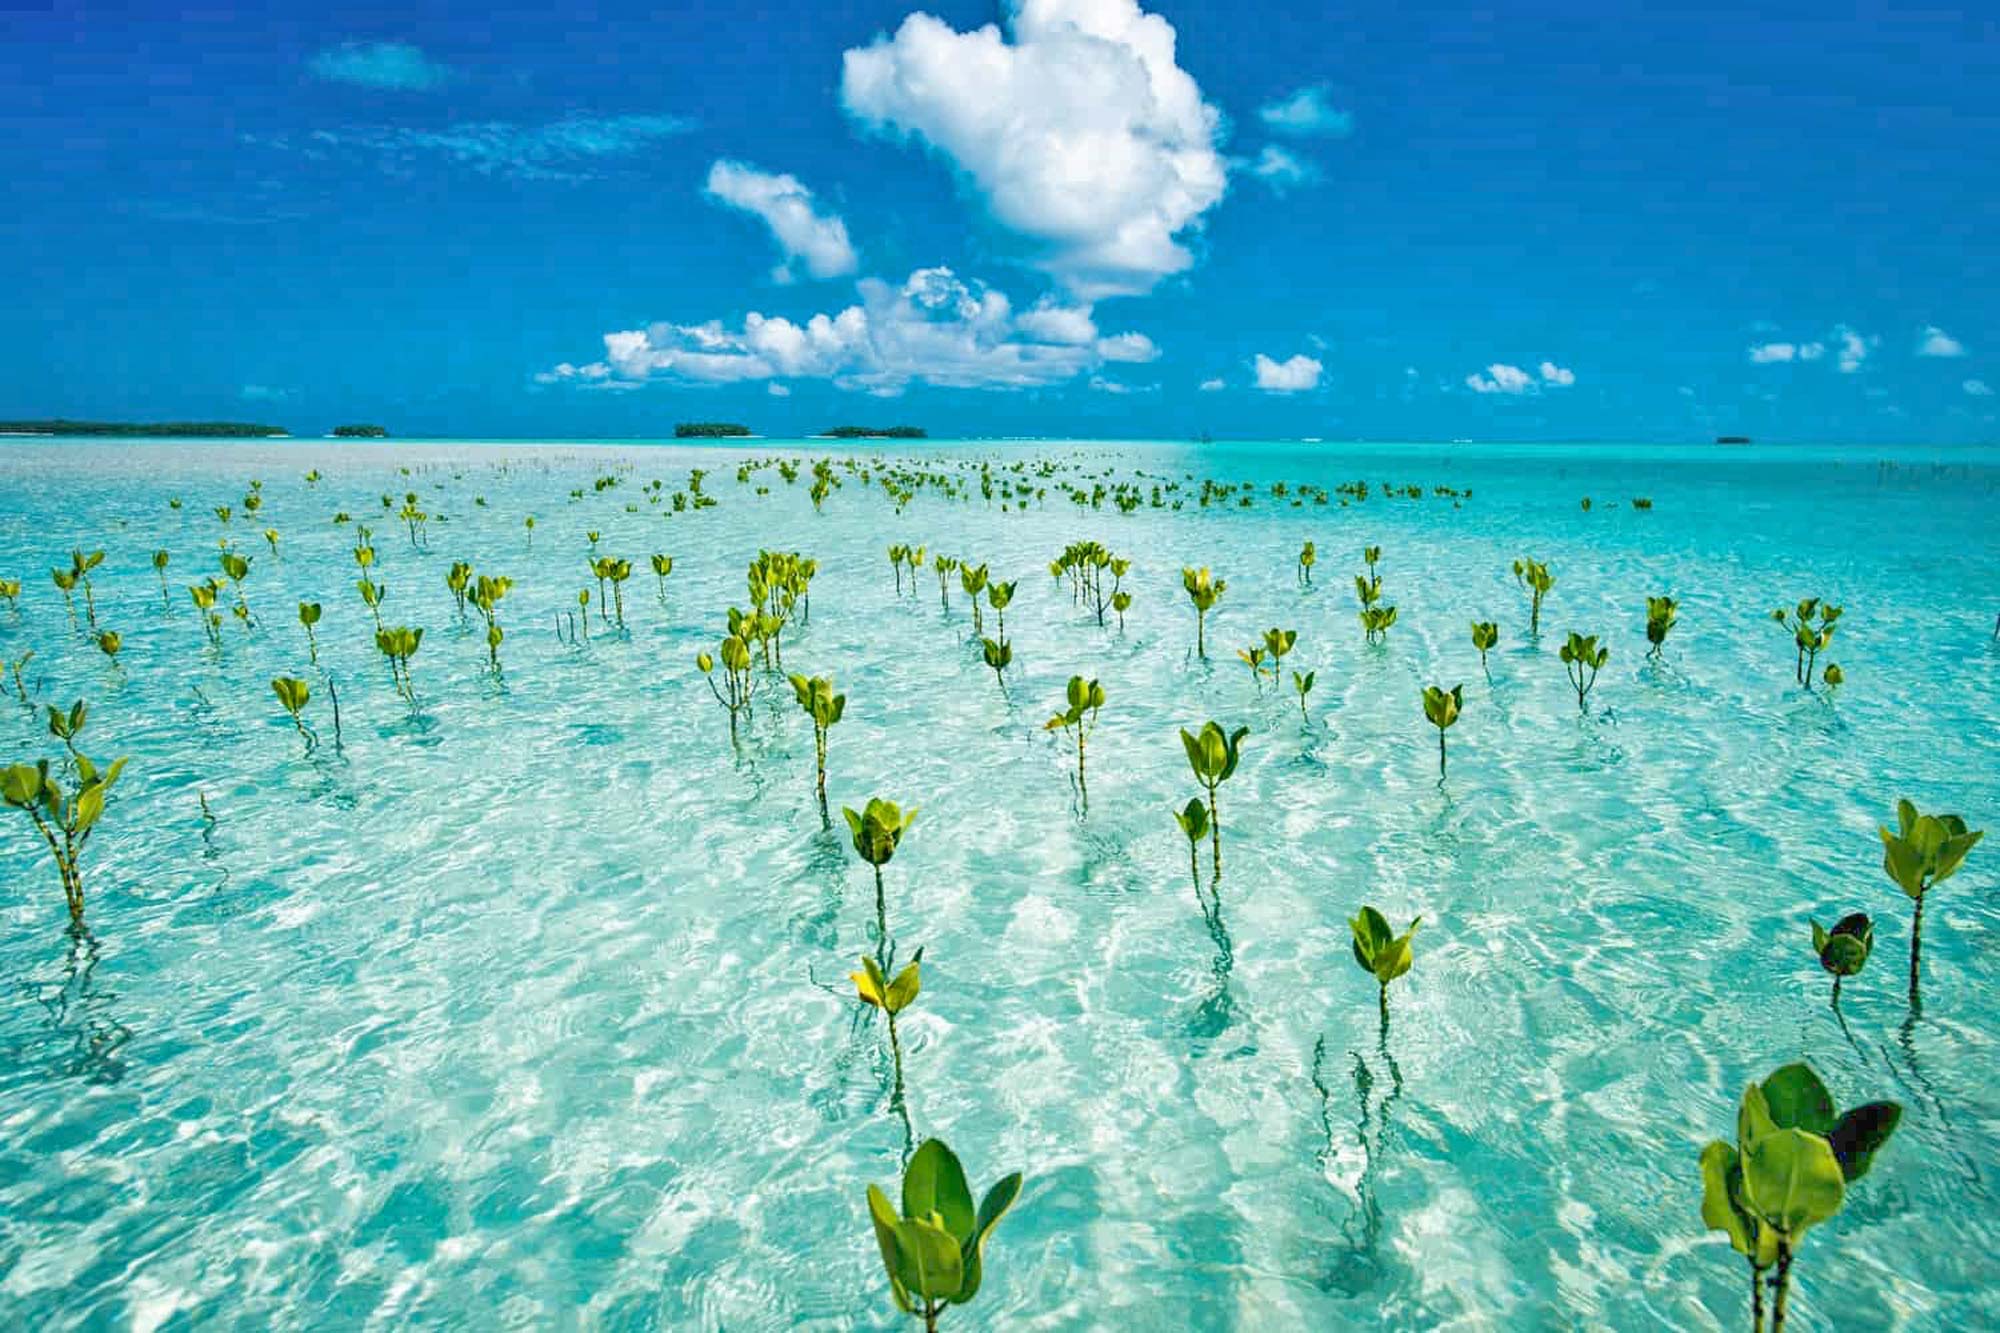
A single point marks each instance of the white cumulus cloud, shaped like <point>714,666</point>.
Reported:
<point>1557,375</point>
<point>1214,385</point>
<point>935,328</point>
<point>1854,348</point>
<point>818,240</point>
<point>1281,169</point>
<point>1076,127</point>
<point>1295,375</point>
<point>1934,341</point>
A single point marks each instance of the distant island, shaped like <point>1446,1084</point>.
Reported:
<point>155,429</point>
<point>709,430</point>
<point>876,433</point>
<point>360,432</point>
<point>1732,439</point>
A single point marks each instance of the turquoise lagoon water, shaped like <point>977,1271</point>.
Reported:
<point>511,1014</point>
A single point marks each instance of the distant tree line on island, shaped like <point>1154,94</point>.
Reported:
<point>876,433</point>
<point>361,432</point>
<point>709,430</point>
<point>207,429</point>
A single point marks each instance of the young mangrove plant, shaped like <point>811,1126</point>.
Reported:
<point>458,578</point>
<point>1376,622</point>
<point>876,833</point>
<point>14,669</point>
<point>1382,953</point>
<point>10,593</point>
<point>372,594</point>
<point>1253,657</point>
<point>65,819</point>
<point>1303,684</point>
<point>874,988</point>
<point>820,704</point>
<point>204,595</point>
<point>1081,701</point>
<point>1278,643</point>
<point>1924,851</point>
<point>487,593</point>
<point>1533,575</point>
<point>1485,637</point>
<point>1661,613</point>
<point>1582,659</point>
<point>737,683</point>
<point>160,560</point>
<point>1812,623</point>
<point>80,567</point>
<point>999,596</point>
<point>1843,951</point>
<point>65,581</point>
<point>972,581</point>
<point>1213,755</point>
<point>934,1250</point>
<point>399,644</point>
<point>1441,707</point>
<point>1787,1172</point>
<point>236,568</point>
<point>1308,557</point>
<point>663,565</point>
<point>293,695</point>
<point>1193,819</point>
<point>309,613</point>
<point>109,642</point>
<point>999,655</point>
<point>1204,591</point>
<point>944,566</point>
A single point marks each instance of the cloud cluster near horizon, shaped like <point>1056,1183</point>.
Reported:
<point>1502,378</point>
<point>1076,129</point>
<point>392,66</point>
<point>935,328</point>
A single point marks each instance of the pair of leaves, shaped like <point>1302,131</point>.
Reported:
<point>878,830</point>
<point>1844,950</point>
<point>1214,753</point>
<point>891,997</point>
<point>1379,950</point>
<point>1925,849</point>
<point>1442,706</point>
<point>934,1250</point>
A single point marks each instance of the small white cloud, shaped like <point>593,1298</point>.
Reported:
<point>802,231</point>
<point>1934,341</point>
<point>1811,351</point>
<point>1076,127</point>
<point>263,393</point>
<point>1501,378</point>
<point>1214,385</point>
<point>1854,349</point>
<point>1557,375</point>
<point>1133,348</point>
<point>1978,388</point>
<point>1295,375</point>
<point>1050,321</point>
<point>1281,169</point>
<point>1307,112</point>
<point>396,66</point>
<point>777,390</point>
<point>1765,354</point>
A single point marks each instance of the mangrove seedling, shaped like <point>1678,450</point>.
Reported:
<point>1661,613</point>
<point>1081,701</point>
<point>819,703</point>
<point>1485,637</point>
<point>972,580</point>
<point>1193,819</point>
<point>1812,623</point>
<point>67,726</point>
<point>1924,851</point>
<point>875,989</point>
<point>1441,707</point>
<point>160,559</point>
<point>999,655</point>
<point>458,578</point>
<point>944,566</point>
<point>109,642</point>
<point>399,644</point>
<point>1204,590</point>
<point>1844,950</point>
<point>1376,622</point>
<point>14,669</point>
<point>1787,1172</point>
<point>876,833</point>
<point>293,694</point>
<point>1253,657</point>
<point>1535,577</point>
<point>663,565</point>
<point>934,1250</point>
<point>487,592</point>
<point>80,567</point>
<point>271,540</point>
<point>309,613</point>
<point>1277,643</point>
<point>1381,952</point>
<point>1307,558</point>
<point>583,606</point>
<point>10,593</point>
<point>65,581</point>
<point>1121,602</point>
<point>737,683</point>
<point>1213,755</point>
<point>204,595</point>
<point>1832,676</point>
<point>999,596</point>
<point>236,568</point>
<point>1582,659</point>
<point>1303,684</point>
<point>65,819</point>
<point>372,594</point>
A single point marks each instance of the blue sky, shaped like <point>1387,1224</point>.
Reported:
<point>1083,217</point>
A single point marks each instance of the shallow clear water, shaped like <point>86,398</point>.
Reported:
<point>507,1015</point>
